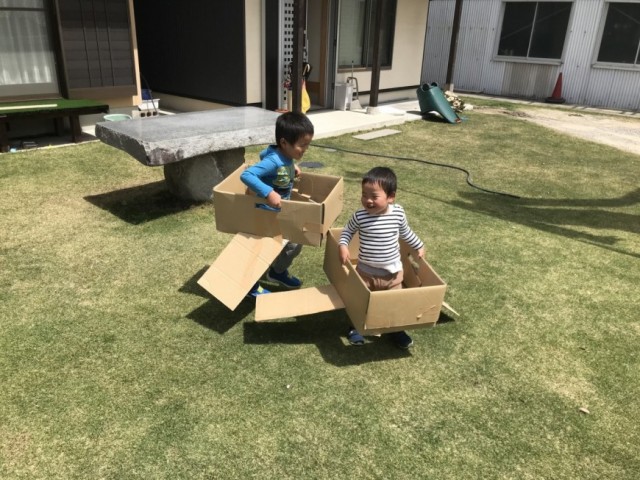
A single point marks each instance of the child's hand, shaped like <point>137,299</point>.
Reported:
<point>344,254</point>
<point>273,199</point>
<point>421,252</point>
<point>297,170</point>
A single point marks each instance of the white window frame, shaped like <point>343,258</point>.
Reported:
<point>530,60</point>
<point>603,20</point>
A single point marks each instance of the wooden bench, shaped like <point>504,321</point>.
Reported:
<point>56,109</point>
<point>197,150</point>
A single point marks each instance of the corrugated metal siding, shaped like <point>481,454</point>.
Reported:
<point>475,70</point>
<point>438,38</point>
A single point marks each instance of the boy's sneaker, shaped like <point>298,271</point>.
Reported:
<point>283,279</point>
<point>401,339</point>
<point>257,290</point>
<point>354,337</point>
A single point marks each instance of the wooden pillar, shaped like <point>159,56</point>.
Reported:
<point>375,67</point>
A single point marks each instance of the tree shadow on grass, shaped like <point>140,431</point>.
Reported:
<point>562,216</point>
<point>140,204</point>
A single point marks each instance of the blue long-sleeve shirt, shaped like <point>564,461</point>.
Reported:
<point>274,171</point>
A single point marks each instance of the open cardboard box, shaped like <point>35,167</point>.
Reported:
<point>418,304</point>
<point>315,204</point>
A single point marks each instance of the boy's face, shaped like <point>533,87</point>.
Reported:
<point>296,150</point>
<point>374,199</point>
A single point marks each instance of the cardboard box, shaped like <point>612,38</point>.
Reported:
<point>305,219</point>
<point>239,267</point>
<point>418,304</point>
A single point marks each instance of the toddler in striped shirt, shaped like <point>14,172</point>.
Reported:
<point>380,223</point>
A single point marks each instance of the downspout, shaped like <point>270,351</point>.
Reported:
<point>457,13</point>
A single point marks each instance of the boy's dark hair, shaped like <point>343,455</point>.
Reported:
<point>291,126</point>
<point>384,177</point>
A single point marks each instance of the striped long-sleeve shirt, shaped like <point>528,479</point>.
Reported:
<point>379,234</point>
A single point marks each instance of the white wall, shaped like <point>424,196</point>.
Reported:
<point>410,28</point>
<point>476,70</point>
<point>254,36</point>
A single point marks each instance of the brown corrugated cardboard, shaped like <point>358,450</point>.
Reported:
<point>418,304</point>
<point>298,302</point>
<point>305,219</point>
<point>239,267</point>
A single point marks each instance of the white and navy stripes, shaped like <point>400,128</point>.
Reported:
<point>379,236</point>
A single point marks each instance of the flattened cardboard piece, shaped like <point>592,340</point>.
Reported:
<point>297,302</point>
<point>305,221</point>
<point>239,266</point>
<point>417,305</point>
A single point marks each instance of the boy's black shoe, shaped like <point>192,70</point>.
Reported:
<point>354,337</point>
<point>285,279</point>
<point>401,339</point>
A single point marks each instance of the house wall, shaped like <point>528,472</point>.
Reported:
<point>253,41</point>
<point>408,45</point>
<point>476,70</point>
<point>194,48</point>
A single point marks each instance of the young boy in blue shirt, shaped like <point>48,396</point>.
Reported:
<point>380,223</point>
<point>272,179</point>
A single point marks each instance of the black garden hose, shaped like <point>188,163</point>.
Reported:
<point>419,160</point>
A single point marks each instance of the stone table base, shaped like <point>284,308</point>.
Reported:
<point>194,178</point>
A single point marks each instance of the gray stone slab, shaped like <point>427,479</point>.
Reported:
<point>172,138</point>
<point>376,134</point>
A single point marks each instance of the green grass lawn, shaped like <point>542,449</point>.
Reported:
<point>115,364</point>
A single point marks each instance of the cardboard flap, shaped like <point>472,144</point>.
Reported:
<point>345,279</point>
<point>419,306</point>
<point>448,307</point>
<point>239,266</point>
<point>297,302</point>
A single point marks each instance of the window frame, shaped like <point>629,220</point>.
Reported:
<point>32,90</point>
<point>598,44</point>
<point>367,47</point>
<point>531,60</point>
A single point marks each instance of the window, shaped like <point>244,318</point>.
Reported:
<point>357,32</point>
<point>27,67</point>
<point>621,34</point>
<point>534,29</point>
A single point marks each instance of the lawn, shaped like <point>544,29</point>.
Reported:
<point>115,364</point>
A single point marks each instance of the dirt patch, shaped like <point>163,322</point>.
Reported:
<point>618,132</point>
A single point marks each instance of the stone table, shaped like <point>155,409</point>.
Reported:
<point>196,149</point>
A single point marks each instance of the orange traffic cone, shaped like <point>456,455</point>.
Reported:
<point>556,96</point>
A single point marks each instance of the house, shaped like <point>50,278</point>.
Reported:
<point>74,49</point>
<point>518,48</point>
<point>238,53</point>
<point>226,53</point>
<point>68,48</point>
